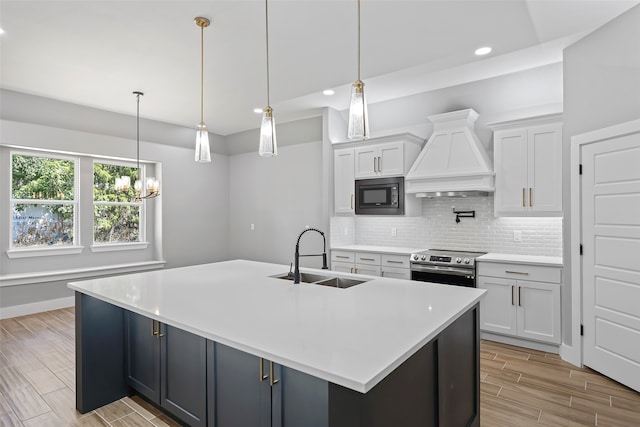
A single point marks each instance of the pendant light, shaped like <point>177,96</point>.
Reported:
<point>268,143</point>
<point>203,154</point>
<point>153,185</point>
<point>358,115</point>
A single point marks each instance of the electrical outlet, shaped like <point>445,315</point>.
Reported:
<point>517,235</point>
<point>252,227</point>
<point>394,232</point>
<point>346,231</point>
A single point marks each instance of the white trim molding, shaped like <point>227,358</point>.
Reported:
<point>111,247</point>
<point>44,251</point>
<point>36,307</point>
<point>77,273</point>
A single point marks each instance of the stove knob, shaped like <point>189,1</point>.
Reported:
<point>415,257</point>
<point>467,260</point>
<point>423,257</point>
<point>458,260</point>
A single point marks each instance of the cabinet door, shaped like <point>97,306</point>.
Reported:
<point>539,311</point>
<point>344,181</point>
<point>391,159</point>
<point>241,396</point>
<point>370,270</point>
<point>143,355</point>
<point>545,169</point>
<point>184,375</point>
<point>396,273</point>
<point>498,307</point>
<point>343,267</point>
<point>511,171</point>
<point>299,399</point>
<point>366,162</point>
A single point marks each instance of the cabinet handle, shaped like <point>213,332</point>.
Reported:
<point>530,196</point>
<point>262,375</point>
<point>516,272</point>
<point>523,197</point>
<point>367,259</point>
<point>272,380</point>
<point>352,201</point>
<point>153,328</point>
<point>355,270</point>
<point>375,168</point>
<point>520,296</point>
<point>394,262</point>
<point>160,334</point>
<point>512,292</point>
<point>379,164</point>
<point>342,256</point>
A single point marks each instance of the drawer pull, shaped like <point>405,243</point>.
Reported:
<point>523,197</point>
<point>516,272</point>
<point>530,197</point>
<point>512,291</point>
<point>395,262</point>
<point>520,295</point>
<point>367,259</point>
<point>342,256</point>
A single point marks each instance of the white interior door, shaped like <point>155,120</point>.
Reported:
<point>611,260</point>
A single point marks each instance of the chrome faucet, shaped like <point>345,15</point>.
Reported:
<point>296,271</point>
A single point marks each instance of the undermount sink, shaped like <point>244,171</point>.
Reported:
<point>318,279</point>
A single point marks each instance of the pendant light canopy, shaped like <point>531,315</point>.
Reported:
<point>203,153</point>
<point>268,143</point>
<point>358,114</point>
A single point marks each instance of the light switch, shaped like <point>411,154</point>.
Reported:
<point>394,232</point>
<point>517,235</point>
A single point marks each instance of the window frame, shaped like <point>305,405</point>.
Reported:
<point>75,248</point>
<point>142,243</point>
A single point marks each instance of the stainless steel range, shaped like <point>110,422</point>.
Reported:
<point>444,266</point>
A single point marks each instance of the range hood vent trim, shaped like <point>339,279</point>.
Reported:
<point>453,160</point>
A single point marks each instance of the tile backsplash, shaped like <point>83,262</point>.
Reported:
<point>436,228</point>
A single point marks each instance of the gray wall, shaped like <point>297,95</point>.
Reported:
<point>195,197</point>
<point>601,88</point>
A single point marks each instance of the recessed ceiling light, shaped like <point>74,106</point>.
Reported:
<point>483,50</point>
<point>328,92</point>
<point>257,110</point>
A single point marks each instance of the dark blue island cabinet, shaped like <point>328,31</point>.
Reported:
<point>203,383</point>
<point>167,366</point>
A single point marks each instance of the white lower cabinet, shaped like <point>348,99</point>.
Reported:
<point>522,300</point>
<point>371,264</point>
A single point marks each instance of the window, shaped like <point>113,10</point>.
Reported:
<point>43,201</point>
<point>117,215</point>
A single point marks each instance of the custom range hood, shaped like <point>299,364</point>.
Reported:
<point>453,162</point>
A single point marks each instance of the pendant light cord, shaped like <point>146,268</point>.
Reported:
<point>358,39</point>
<point>138,133</point>
<point>266,27</point>
<point>201,74</point>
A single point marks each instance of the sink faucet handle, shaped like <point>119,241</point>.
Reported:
<point>290,274</point>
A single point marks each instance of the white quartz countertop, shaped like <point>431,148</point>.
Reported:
<point>381,249</point>
<point>550,261</point>
<point>353,337</point>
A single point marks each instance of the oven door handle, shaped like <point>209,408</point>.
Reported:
<point>443,270</point>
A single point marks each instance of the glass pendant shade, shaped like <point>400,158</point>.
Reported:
<point>268,143</point>
<point>358,114</point>
<point>203,153</point>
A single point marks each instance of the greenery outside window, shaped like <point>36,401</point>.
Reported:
<point>117,215</point>
<point>44,201</point>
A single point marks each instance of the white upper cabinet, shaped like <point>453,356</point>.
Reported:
<point>344,180</point>
<point>528,164</point>
<point>382,160</point>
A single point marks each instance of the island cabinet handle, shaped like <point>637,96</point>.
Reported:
<point>272,379</point>
<point>160,334</point>
<point>153,328</point>
<point>262,375</point>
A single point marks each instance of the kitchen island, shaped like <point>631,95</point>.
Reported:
<point>233,345</point>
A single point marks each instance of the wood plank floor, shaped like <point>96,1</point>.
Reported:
<point>519,387</point>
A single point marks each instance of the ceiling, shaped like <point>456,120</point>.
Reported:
<point>95,53</point>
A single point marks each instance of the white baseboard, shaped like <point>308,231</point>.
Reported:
<point>36,307</point>
<point>571,354</point>
<point>535,345</point>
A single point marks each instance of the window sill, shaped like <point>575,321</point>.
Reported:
<point>45,251</point>
<point>78,273</point>
<point>111,247</point>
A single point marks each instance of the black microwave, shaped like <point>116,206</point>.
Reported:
<point>380,196</point>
